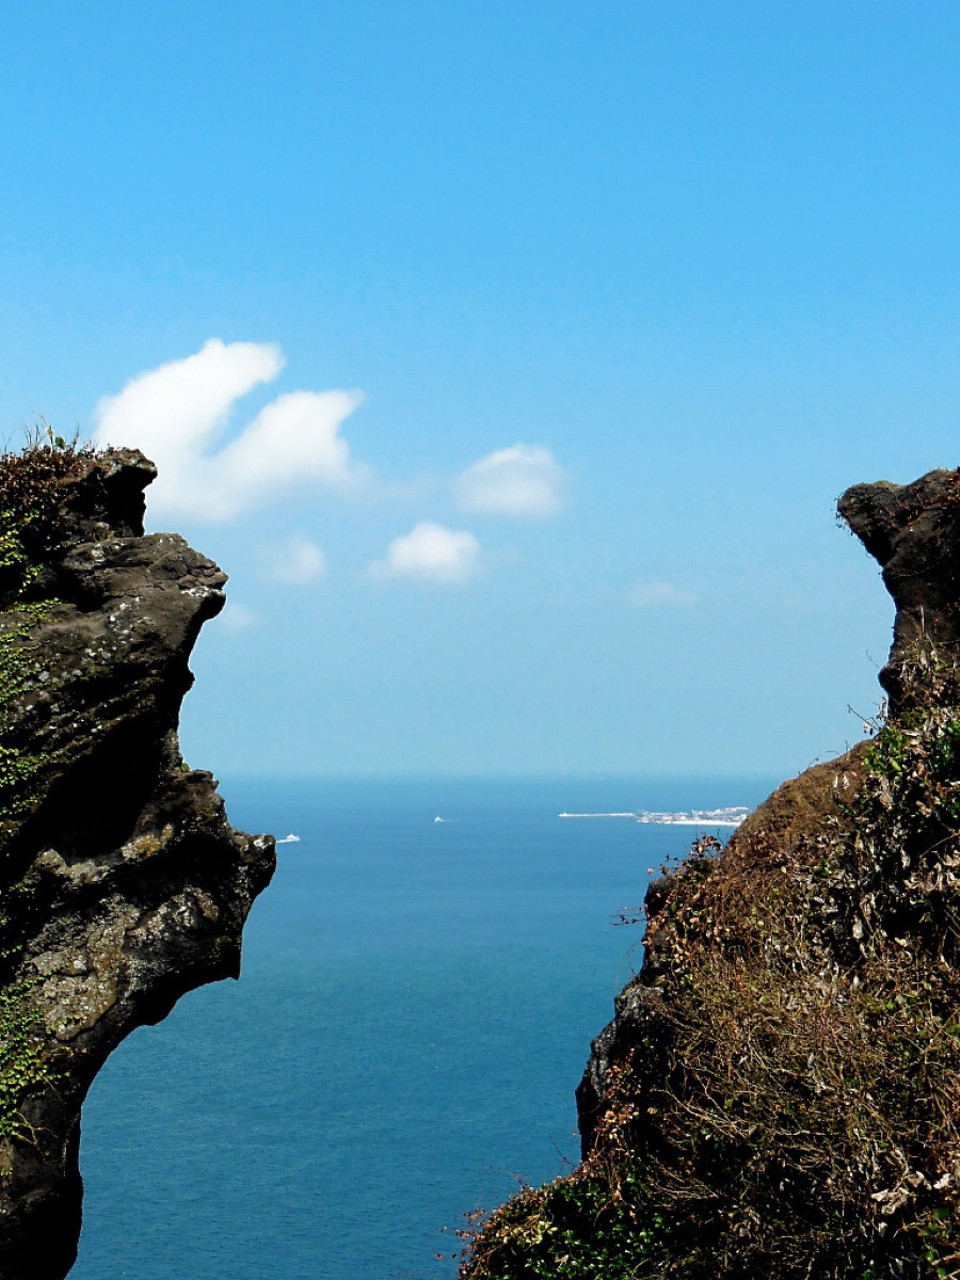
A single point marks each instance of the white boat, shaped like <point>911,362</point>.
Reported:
<point>290,839</point>
<point>439,819</point>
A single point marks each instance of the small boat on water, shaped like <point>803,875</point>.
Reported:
<point>439,819</point>
<point>290,839</point>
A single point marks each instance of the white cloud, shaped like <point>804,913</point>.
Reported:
<point>524,480</point>
<point>237,617</point>
<point>430,553</point>
<point>659,595</point>
<point>295,562</point>
<point>177,414</point>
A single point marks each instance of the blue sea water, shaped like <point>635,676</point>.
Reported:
<point>415,1010</point>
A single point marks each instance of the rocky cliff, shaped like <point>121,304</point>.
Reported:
<point>778,1094</point>
<point>123,884</point>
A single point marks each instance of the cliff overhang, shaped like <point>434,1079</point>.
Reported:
<point>123,884</point>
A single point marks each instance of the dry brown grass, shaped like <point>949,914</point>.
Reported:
<point>782,1098</point>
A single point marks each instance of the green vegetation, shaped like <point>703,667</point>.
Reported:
<point>23,1067</point>
<point>32,530</point>
<point>787,1102</point>
<point>581,1227</point>
<point>31,516</point>
<point>18,766</point>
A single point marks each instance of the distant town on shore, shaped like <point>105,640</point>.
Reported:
<point>731,816</point>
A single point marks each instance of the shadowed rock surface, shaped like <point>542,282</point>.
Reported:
<point>911,529</point>
<point>778,1094</point>
<point>123,884</point>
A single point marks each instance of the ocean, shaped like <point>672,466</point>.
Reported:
<point>416,1008</point>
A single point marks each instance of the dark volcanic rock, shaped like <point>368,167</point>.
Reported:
<point>913,530</point>
<point>124,886</point>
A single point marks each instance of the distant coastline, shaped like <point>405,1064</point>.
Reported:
<point>730,816</point>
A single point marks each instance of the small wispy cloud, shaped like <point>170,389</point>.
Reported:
<point>294,562</point>
<point>430,553</point>
<point>177,414</point>
<point>524,480</point>
<point>659,595</point>
<point>237,617</point>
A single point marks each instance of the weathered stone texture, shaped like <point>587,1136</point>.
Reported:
<point>124,886</point>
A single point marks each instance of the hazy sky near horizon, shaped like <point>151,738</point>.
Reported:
<point>509,356</point>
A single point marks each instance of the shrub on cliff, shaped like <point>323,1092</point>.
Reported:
<point>32,484</point>
<point>33,527</point>
<point>778,1096</point>
<point>786,1101</point>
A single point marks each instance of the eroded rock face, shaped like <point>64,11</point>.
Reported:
<point>124,886</point>
<point>913,530</point>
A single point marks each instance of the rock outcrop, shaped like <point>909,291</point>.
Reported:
<point>911,531</point>
<point>778,1095</point>
<point>123,884</point>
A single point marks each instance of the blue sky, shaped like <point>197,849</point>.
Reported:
<point>538,340</point>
